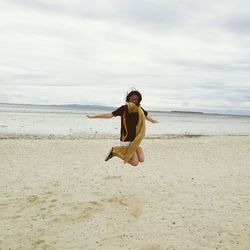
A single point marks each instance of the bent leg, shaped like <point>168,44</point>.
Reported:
<point>140,154</point>
<point>134,160</point>
<point>120,151</point>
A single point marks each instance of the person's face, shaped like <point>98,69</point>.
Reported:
<point>134,99</point>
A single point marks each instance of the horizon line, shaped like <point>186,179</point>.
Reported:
<point>150,110</point>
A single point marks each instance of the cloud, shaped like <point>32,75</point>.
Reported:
<point>177,53</point>
<point>239,25</point>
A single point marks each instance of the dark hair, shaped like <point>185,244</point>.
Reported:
<point>134,92</point>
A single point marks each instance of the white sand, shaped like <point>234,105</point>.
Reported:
<point>190,193</point>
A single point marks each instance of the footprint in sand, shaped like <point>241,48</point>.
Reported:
<point>151,247</point>
<point>41,198</point>
<point>65,212</point>
<point>113,177</point>
<point>115,240</point>
<point>41,201</point>
<point>40,244</point>
<point>129,201</point>
<point>82,211</point>
<point>16,217</point>
<point>61,212</point>
<point>32,198</point>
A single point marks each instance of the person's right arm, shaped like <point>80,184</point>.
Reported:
<point>106,115</point>
<point>117,112</point>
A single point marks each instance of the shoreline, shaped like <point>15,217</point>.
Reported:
<point>96,136</point>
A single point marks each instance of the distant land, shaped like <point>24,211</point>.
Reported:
<point>90,106</point>
<point>102,107</point>
<point>80,106</point>
<point>75,106</point>
<point>180,111</point>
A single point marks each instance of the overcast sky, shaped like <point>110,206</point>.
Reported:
<point>185,55</point>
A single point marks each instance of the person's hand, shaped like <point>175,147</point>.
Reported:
<point>90,116</point>
<point>155,121</point>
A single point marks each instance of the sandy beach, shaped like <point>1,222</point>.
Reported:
<point>192,192</point>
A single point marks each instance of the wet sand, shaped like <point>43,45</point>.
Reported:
<point>192,192</point>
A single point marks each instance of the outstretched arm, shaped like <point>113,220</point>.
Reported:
<point>149,118</point>
<point>107,115</point>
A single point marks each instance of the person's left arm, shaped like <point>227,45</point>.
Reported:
<point>148,117</point>
<point>151,119</point>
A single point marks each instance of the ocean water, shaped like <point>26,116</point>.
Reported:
<point>57,120</point>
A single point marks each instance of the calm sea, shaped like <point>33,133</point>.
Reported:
<point>57,120</point>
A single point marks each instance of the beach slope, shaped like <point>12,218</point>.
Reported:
<point>190,193</point>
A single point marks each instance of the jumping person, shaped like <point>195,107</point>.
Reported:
<point>132,129</point>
